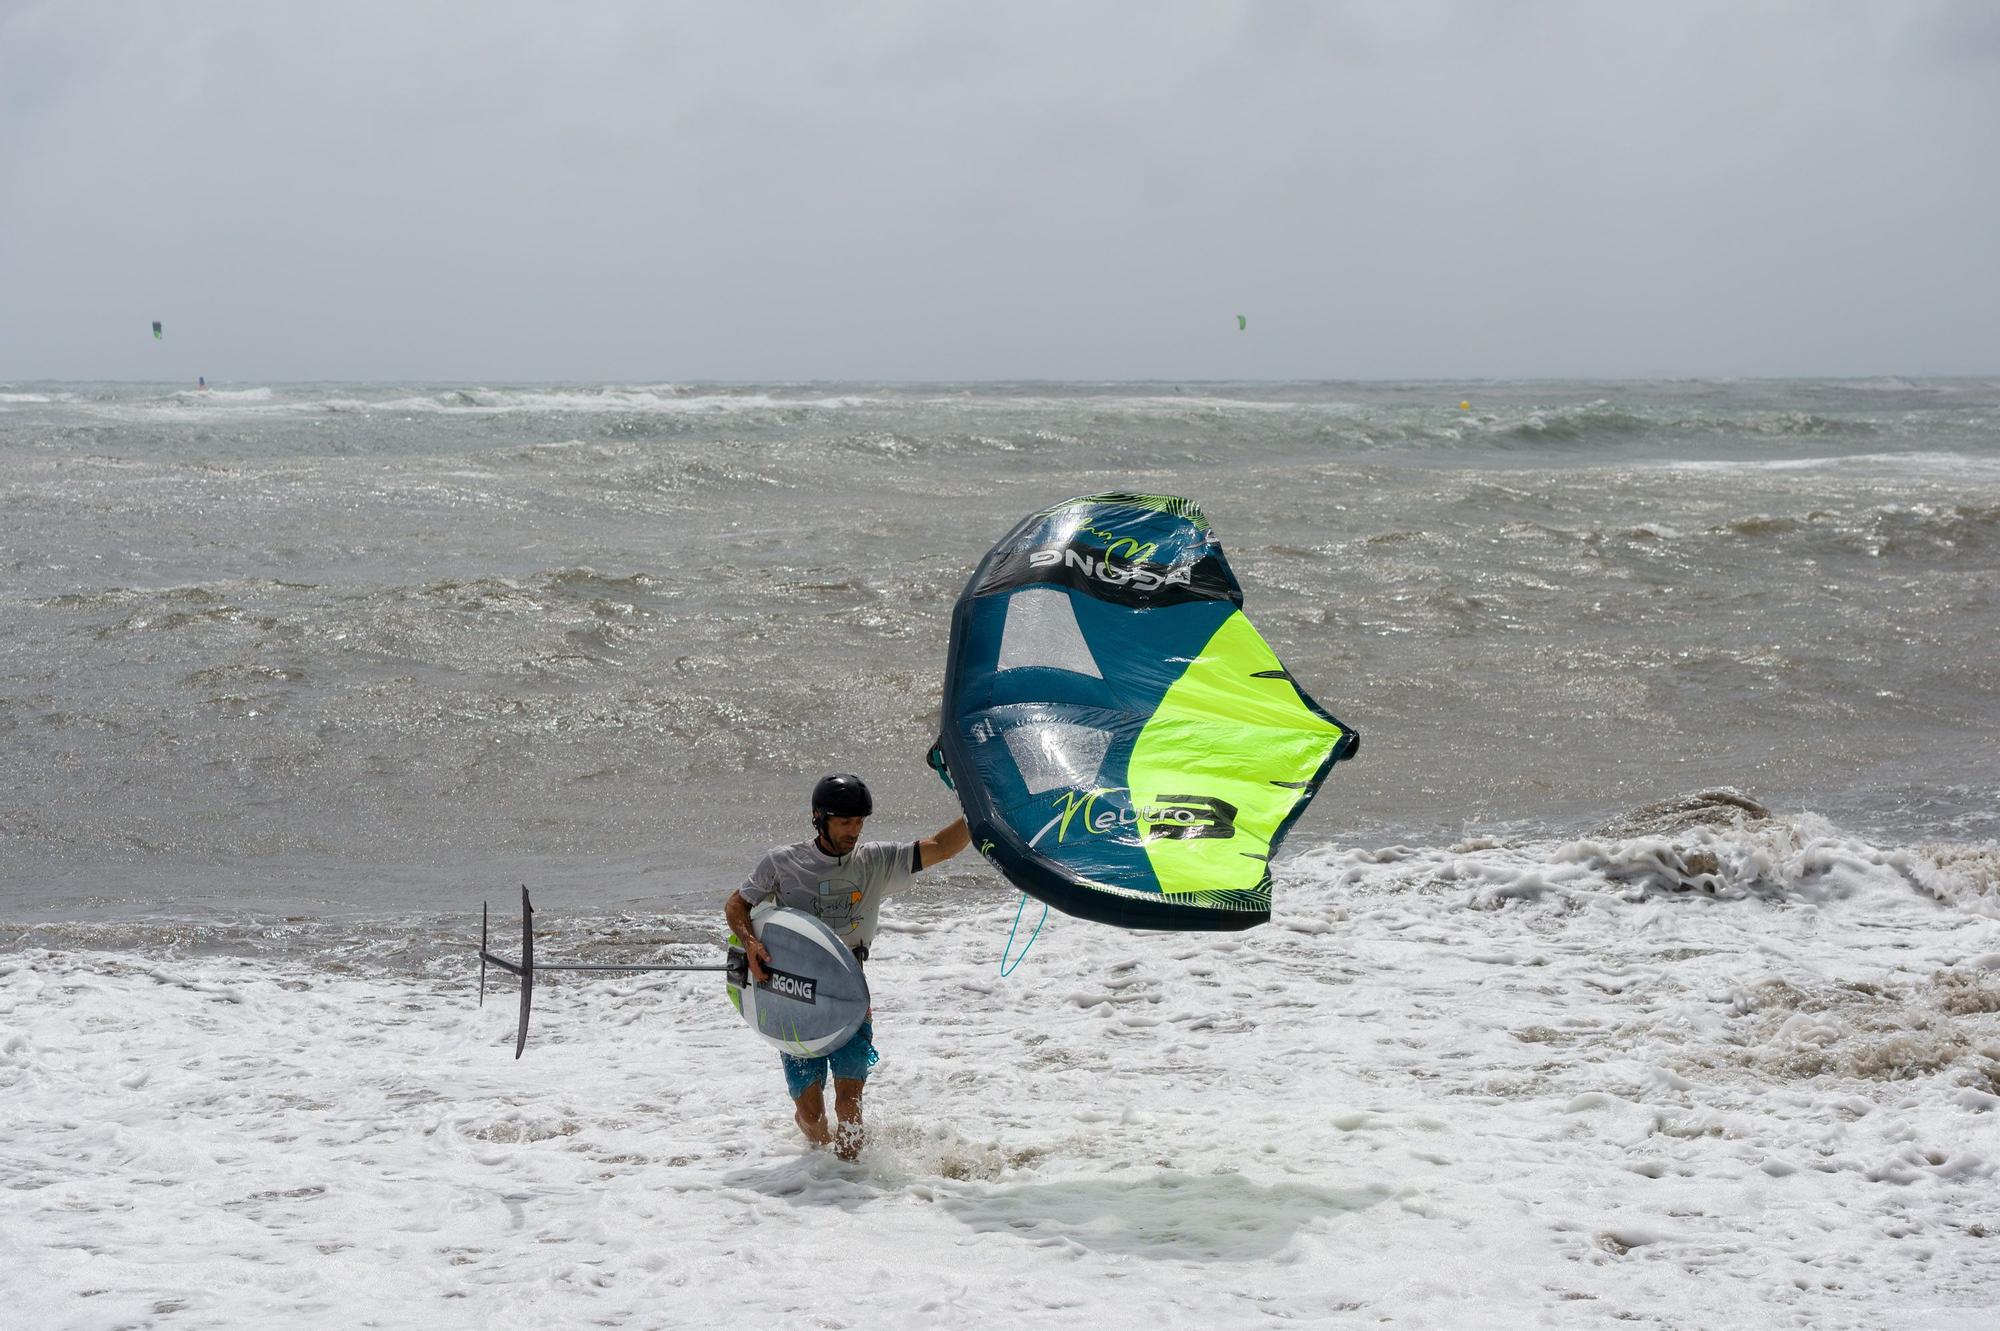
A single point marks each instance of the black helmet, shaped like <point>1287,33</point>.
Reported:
<point>842,795</point>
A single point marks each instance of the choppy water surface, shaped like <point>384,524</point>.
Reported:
<point>360,649</point>
<point>291,678</point>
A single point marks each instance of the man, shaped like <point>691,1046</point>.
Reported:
<point>842,881</point>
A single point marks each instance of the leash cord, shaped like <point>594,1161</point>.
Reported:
<point>1005,968</point>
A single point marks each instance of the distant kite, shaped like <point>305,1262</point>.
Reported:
<point>156,330</point>
<point>1241,324</point>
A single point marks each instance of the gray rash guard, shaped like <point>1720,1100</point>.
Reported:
<point>844,891</point>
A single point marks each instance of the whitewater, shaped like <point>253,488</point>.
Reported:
<point>1645,966</point>
<point>1738,1071</point>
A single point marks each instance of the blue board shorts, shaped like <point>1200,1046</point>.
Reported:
<point>850,1062</point>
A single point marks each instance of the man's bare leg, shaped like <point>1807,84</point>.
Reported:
<point>847,1104</point>
<point>809,1112</point>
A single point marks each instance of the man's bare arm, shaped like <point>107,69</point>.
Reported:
<point>737,911</point>
<point>944,844</point>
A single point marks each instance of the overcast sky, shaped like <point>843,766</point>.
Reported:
<point>639,191</point>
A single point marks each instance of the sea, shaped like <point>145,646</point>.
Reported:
<point>1645,961</point>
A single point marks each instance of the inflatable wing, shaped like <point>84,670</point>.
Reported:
<point>1126,746</point>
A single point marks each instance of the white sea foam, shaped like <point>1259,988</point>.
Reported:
<point>661,401</point>
<point>1723,1076</point>
<point>1915,462</point>
<point>1163,403</point>
<point>267,402</point>
<point>667,399</point>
